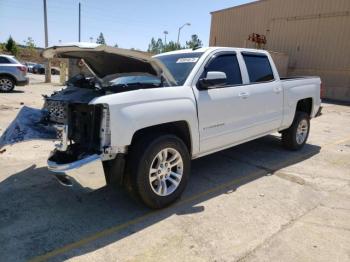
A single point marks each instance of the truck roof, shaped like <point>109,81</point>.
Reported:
<point>205,49</point>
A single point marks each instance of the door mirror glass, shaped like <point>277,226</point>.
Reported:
<point>213,79</point>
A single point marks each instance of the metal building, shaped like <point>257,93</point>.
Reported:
<point>315,34</point>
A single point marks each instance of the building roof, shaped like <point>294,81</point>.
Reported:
<point>239,6</point>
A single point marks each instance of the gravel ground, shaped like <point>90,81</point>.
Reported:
<point>253,202</point>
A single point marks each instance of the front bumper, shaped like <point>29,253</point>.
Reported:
<point>61,168</point>
<point>83,173</point>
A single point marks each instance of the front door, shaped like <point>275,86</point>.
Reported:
<point>222,110</point>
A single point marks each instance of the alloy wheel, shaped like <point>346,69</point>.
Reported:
<point>166,171</point>
<point>6,84</point>
<point>302,131</point>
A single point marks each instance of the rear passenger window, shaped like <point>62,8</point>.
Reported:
<point>4,60</point>
<point>229,65</point>
<point>259,68</point>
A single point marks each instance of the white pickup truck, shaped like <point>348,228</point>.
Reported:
<point>147,117</point>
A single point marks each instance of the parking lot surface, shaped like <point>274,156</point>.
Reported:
<point>253,202</point>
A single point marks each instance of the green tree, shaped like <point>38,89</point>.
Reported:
<point>101,39</point>
<point>11,46</point>
<point>2,47</point>
<point>171,46</point>
<point>30,43</point>
<point>156,46</point>
<point>152,46</point>
<point>116,45</point>
<point>195,42</point>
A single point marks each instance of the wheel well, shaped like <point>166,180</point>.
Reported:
<point>9,76</point>
<point>305,105</point>
<point>178,128</point>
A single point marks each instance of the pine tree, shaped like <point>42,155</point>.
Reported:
<point>11,46</point>
<point>100,39</point>
<point>195,42</point>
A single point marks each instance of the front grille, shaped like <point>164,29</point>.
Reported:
<point>62,135</point>
<point>57,111</point>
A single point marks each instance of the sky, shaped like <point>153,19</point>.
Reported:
<point>128,23</point>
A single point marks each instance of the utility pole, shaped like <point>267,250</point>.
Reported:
<point>47,65</point>
<point>79,20</point>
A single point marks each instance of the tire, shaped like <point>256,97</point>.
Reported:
<point>295,137</point>
<point>165,182</point>
<point>7,84</point>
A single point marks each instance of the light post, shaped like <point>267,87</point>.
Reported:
<point>165,33</point>
<point>178,34</point>
<point>79,31</point>
<point>48,62</point>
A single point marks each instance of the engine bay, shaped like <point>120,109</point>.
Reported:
<point>78,124</point>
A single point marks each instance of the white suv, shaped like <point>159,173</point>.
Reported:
<point>12,73</point>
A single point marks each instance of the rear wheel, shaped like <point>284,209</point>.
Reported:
<point>6,84</point>
<point>159,168</point>
<point>296,135</point>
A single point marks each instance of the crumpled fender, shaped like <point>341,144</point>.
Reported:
<point>29,124</point>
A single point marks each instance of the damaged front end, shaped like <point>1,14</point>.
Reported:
<point>81,129</point>
<point>83,132</point>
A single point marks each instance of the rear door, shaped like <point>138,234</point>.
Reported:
<point>265,94</point>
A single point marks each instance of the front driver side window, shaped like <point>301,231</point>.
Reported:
<point>229,65</point>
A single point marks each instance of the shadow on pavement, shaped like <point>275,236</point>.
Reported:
<point>37,215</point>
<point>15,91</point>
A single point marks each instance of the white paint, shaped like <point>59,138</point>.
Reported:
<point>226,116</point>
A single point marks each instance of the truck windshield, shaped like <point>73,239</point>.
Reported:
<point>180,65</point>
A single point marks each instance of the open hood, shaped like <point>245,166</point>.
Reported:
<point>106,60</point>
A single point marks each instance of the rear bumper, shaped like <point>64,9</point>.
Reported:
<point>23,82</point>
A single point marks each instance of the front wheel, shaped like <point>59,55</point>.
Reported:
<point>295,136</point>
<point>159,169</point>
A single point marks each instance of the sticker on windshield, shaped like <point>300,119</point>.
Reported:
<point>187,60</point>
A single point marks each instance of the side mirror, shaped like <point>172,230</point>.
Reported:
<point>212,80</point>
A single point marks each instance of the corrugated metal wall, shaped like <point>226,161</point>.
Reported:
<point>314,33</point>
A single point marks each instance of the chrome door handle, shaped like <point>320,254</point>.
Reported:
<point>277,90</point>
<point>243,95</point>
